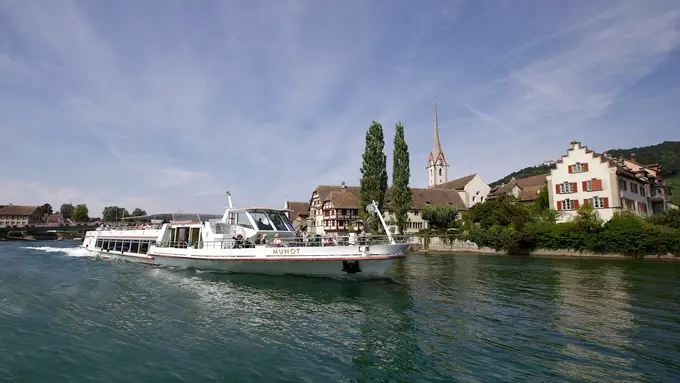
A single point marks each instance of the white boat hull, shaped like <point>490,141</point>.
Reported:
<point>354,267</point>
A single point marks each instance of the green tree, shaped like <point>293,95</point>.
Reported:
<point>80,213</point>
<point>46,209</point>
<point>401,175</point>
<point>542,202</point>
<point>138,212</point>
<point>374,173</point>
<point>670,218</point>
<point>66,210</point>
<point>114,213</point>
<point>440,217</point>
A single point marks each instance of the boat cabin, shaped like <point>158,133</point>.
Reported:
<point>260,219</point>
<point>247,222</point>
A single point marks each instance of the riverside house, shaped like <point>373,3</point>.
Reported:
<point>609,184</point>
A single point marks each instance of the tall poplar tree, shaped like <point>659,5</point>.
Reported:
<point>373,174</point>
<point>401,175</point>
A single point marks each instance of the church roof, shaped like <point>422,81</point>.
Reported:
<point>437,154</point>
<point>457,184</point>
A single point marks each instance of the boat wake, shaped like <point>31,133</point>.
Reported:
<point>68,251</point>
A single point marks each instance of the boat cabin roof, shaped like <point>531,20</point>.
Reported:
<point>257,209</point>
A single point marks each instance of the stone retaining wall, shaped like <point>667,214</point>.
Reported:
<point>438,245</point>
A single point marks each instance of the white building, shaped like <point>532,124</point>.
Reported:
<point>585,177</point>
<point>472,189</point>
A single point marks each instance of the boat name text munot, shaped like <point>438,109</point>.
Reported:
<point>286,251</point>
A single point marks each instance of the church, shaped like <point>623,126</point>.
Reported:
<point>472,189</point>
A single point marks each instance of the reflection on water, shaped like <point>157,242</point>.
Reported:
<point>441,318</point>
<point>595,317</point>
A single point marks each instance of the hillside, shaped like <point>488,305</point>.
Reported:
<point>666,153</point>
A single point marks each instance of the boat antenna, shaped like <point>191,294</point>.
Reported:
<point>229,198</point>
<point>225,217</point>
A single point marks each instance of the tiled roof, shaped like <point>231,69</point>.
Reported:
<point>529,187</point>
<point>298,208</point>
<point>502,190</point>
<point>18,210</point>
<point>529,194</point>
<point>324,190</point>
<point>532,181</point>
<point>457,184</point>
<point>348,198</point>
<point>344,199</point>
<point>425,197</point>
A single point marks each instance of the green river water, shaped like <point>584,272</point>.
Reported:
<point>66,317</point>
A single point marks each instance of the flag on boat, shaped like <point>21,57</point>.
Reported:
<point>371,208</point>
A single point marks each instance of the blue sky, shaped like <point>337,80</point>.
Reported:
<point>167,104</point>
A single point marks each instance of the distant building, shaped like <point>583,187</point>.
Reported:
<point>55,219</point>
<point>660,196</point>
<point>610,185</point>
<point>335,209</point>
<point>526,189</point>
<point>298,214</point>
<point>18,215</point>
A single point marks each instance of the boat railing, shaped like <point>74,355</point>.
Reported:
<point>339,241</point>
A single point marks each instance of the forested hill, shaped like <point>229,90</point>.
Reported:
<point>666,153</point>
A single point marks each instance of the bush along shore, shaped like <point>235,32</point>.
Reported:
<point>508,227</point>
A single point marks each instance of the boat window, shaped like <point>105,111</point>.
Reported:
<point>288,222</point>
<point>261,221</point>
<point>277,221</point>
<point>242,220</point>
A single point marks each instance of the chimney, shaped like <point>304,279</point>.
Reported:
<point>632,157</point>
<point>342,184</point>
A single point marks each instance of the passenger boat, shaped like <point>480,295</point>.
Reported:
<point>232,244</point>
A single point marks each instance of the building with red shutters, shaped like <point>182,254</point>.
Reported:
<point>609,184</point>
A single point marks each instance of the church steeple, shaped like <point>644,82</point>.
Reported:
<point>436,164</point>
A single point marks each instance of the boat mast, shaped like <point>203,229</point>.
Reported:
<point>225,217</point>
<point>382,220</point>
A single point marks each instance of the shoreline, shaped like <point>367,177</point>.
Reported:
<point>569,255</point>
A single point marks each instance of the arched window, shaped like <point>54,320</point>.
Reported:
<point>440,171</point>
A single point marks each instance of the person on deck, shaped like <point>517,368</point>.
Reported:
<point>277,242</point>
